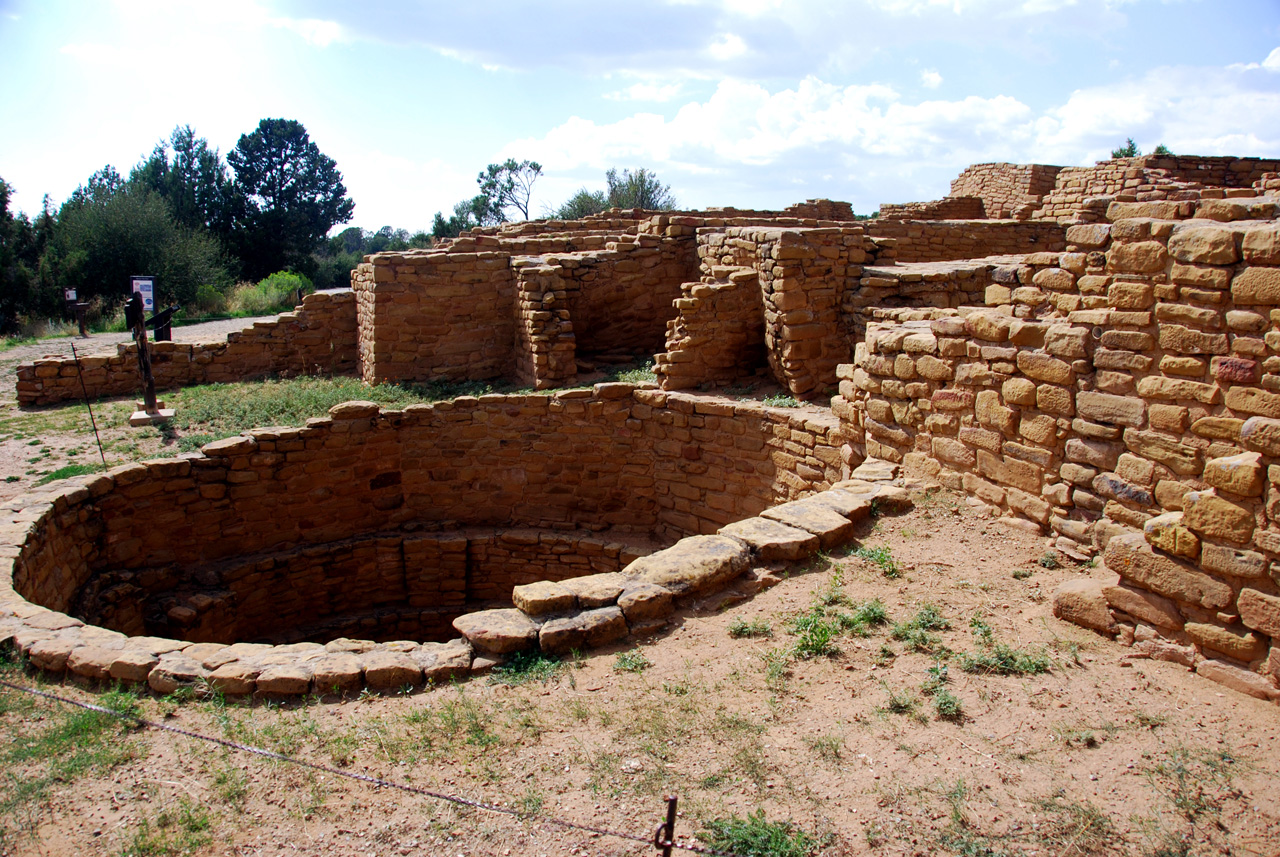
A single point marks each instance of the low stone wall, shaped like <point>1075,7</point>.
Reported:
<point>265,534</point>
<point>317,338</point>
<point>717,336</point>
<point>1006,190</point>
<point>951,208</point>
<point>950,240</point>
<point>1123,395</point>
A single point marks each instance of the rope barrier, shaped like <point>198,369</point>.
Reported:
<point>661,838</point>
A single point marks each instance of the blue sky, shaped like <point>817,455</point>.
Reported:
<point>752,103</point>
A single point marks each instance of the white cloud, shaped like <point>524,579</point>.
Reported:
<point>313,30</point>
<point>930,79</point>
<point>649,91</point>
<point>1272,62</point>
<point>727,47</point>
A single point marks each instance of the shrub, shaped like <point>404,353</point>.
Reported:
<point>754,836</point>
<point>276,293</point>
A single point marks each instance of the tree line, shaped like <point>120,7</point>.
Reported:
<point>194,220</point>
<point>201,223</point>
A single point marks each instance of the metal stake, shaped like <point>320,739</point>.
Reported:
<point>664,837</point>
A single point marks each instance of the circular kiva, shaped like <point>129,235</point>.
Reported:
<point>346,553</point>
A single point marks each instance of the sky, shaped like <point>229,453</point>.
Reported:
<point>746,103</point>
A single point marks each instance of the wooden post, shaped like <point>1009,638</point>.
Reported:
<point>136,318</point>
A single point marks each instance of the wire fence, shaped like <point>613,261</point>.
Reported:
<point>663,837</point>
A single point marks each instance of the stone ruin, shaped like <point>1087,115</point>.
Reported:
<point>1089,352</point>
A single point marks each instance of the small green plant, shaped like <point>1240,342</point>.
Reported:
<point>915,631</point>
<point>631,661</point>
<point>755,836</point>
<point>531,802</point>
<point>1003,659</point>
<point>524,667</point>
<point>1050,560</point>
<point>1162,150</point>
<point>777,669</point>
<point>816,631</point>
<point>981,630</point>
<point>947,705</point>
<point>826,747</point>
<point>781,400</point>
<point>740,629</point>
<point>1022,573</point>
<point>882,558</point>
<point>902,701</point>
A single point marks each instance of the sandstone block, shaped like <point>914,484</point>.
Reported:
<point>1028,505</point>
<point>1260,611</point>
<point>284,680</point>
<point>1169,534</point>
<point>1262,246</point>
<point>1251,400</point>
<point>542,597</point>
<point>1142,604</point>
<point>1133,559</point>
<point>1220,559</point>
<point>1094,453</point>
<point>1184,340</point>
<point>497,631</point>
<point>988,326</point>
<point>1156,387</point>
<point>1067,341</point>
<point>1019,391</point>
<point>700,564</point>
<point>1237,678</point>
<point>1143,257</point>
<point>52,654</point>
<point>584,630</point>
<point>1240,474</point>
<point>772,540</point>
<point>1054,400</point>
<point>441,662</point>
<point>1106,408</point>
<point>336,673</point>
<point>643,603</point>
<point>175,671</point>
<point>384,670</point>
<point>1181,459</point>
<point>235,678</point>
<point>1210,245</point>
<point>1082,602</point>
<point>92,661</point>
<point>1124,295</point>
<point>953,452</point>
<point>596,590</point>
<point>1209,515</point>
<point>1044,367</point>
<point>1256,286</point>
<point>133,664</point>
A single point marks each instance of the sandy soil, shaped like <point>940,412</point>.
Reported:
<point>1101,754</point>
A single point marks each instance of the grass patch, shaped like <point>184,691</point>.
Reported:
<point>780,401</point>
<point>1049,560</point>
<point>881,558</point>
<point>756,836</point>
<point>524,667</point>
<point>632,661</point>
<point>742,629</point>
<point>68,471</point>
<point>915,632</point>
<point>1003,659</point>
<point>177,830</point>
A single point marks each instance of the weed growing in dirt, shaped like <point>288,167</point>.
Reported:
<point>825,747</point>
<point>780,401</point>
<point>882,558</point>
<point>524,667</point>
<point>740,629</point>
<point>947,705</point>
<point>631,661</point>
<point>1022,573</point>
<point>756,836</point>
<point>1003,659</point>
<point>177,830</point>
<point>902,701</point>
<point>1050,560</point>
<point>915,631</point>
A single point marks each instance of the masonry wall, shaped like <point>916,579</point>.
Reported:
<point>317,338</point>
<point>1005,189</point>
<point>1140,424</point>
<point>938,241</point>
<point>951,208</point>
<point>357,496</point>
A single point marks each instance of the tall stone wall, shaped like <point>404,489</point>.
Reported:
<point>1141,424</point>
<point>951,208</point>
<point>1004,188</point>
<point>367,499</point>
<point>949,240</point>
<point>317,338</point>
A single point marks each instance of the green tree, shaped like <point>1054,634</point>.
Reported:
<point>1162,150</point>
<point>1128,150</point>
<point>191,177</point>
<point>477,211</point>
<point>581,204</point>
<point>286,197</point>
<point>19,263</point>
<point>640,189</point>
<point>110,230</point>
<point>509,185</point>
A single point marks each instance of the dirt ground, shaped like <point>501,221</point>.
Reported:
<point>1100,754</point>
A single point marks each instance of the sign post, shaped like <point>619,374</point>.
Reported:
<point>78,307</point>
<point>149,410</point>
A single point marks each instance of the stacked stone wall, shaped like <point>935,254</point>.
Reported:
<point>951,208</point>
<point>317,338</point>
<point>950,240</point>
<point>1125,396</point>
<point>357,513</point>
<point>1005,189</point>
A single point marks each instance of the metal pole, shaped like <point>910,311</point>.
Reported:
<point>84,389</point>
